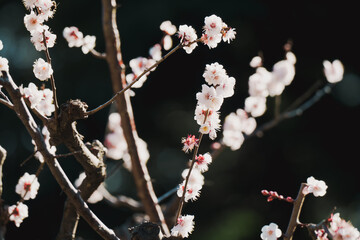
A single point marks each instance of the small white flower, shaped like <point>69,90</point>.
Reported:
<point>270,232</point>
<point>284,71</point>
<point>256,62</point>
<point>29,4</point>
<point>33,22</point>
<point>316,187</point>
<point>209,98</point>
<point>192,191</point>
<point>37,38</point>
<point>202,162</point>
<point>1,45</point>
<point>4,65</point>
<point>73,36</point>
<point>155,52</point>
<point>33,94</point>
<point>187,35</point>
<point>334,71</point>
<point>167,42</point>
<point>88,44</point>
<point>258,82</point>
<point>233,139</point>
<point>215,74</point>
<point>229,35</point>
<point>255,105</point>
<point>184,226</point>
<point>18,213</point>
<point>27,186</point>
<point>42,69</point>
<point>213,24</point>
<point>168,28</point>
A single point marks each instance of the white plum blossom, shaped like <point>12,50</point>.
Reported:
<point>233,139</point>
<point>37,39</point>
<point>215,74</point>
<point>255,105</point>
<point>42,100</point>
<point>226,89</point>
<point>1,45</point>
<point>209,98</point>
<point>270,232</point>
<point>88,44</point>
<point>196,177</point>
<point>187,35</point>
<point>116,144</point>
<point>29,4</point>
<point>52,149</point>
<point>17,213</point>
<point>213,24</point>
<point>4,65</point>
<point>316,187</point>
<point>256,62</point>
<point>33,94</point>
<point>189,143</point>
<point>155,52</point>
<point>73,36</point>
<point>184,226</point>
<point>334,71</point>
<point>96,196</point>
<point>248,124</point>
<point>259,81</point>
<point>284,72</point>
<point>202,162</point>
<point>342,230</point>
<point>27,186</point>
<point>168,27</point>
<point>290,56</point>
<point>42,69</point>
<point>192,191</point>
<point>228,34</point>
<point>167,42</point>
<point>33,22</point>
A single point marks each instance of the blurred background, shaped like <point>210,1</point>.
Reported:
<point>323,142</point>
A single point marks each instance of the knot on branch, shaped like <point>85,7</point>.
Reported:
<point>146,231</point>
<point>97,148</point>
<point>73,110</point>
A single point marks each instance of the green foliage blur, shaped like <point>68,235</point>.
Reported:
<point>323,142</point>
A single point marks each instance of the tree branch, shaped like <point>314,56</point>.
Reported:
<point>3,214</point>
<point>295,214</point>
<point>117,72</point>
<point>72,193</point>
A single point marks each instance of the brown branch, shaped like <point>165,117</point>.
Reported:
<point>72,193</point>
<point>7,103</point>
<point>98,54</point>
<point>3,213</point>
<point>295,214</point>
<point>117,72</point>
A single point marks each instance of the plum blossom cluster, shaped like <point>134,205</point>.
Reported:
<point>262,84</point>
<point>342,229</point>
<point>211,97</point>
<point>40,11</point>
<point>75,38</point>
<point>214,31</point>
<point>52,149</point>
<point>40,99</point>
<point>27,187</point>
<point>139,65</point>
<point>116,144</point>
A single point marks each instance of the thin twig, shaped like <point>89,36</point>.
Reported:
<point>98,54</point>
<point>134,81</point>
<point>196,149</point>
<point>295,214</point>
<point>7,103</point>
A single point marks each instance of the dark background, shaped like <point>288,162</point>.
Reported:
<point>323,142</point>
